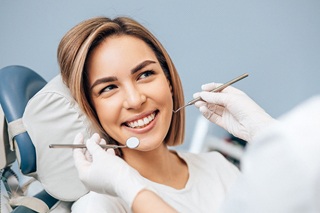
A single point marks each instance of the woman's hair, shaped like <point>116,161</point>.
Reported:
<point>81,40</point>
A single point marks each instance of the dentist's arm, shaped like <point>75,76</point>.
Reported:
<point>103,172</point>
<point>233,110</point>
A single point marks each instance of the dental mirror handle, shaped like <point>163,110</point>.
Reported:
<point>218,89</point>
<point>131,143</point>
<point>84,146</point>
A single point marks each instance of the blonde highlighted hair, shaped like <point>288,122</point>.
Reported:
<point>81,40</point>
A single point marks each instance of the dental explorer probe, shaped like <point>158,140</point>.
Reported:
<point>218,89</point>
<point>131,143</point>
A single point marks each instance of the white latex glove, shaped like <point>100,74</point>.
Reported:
<point>104,172</point>
<point>233,110</point>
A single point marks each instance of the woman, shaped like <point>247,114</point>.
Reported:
<point>126,83</point>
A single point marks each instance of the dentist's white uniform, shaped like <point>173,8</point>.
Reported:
<point>281,168</point>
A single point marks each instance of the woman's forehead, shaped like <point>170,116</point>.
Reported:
<point>120,53</point>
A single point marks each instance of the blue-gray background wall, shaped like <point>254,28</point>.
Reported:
<point>276,42</point>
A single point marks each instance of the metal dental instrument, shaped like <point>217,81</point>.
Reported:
<point>131,143</point>
<point>218,89</point>
<point>84,146</point>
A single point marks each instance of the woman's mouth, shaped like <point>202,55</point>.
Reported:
<point>142,122</point>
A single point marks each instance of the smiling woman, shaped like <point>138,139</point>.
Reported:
<point>124,80</point>
<point>137,94</point>
<point>79,44</point>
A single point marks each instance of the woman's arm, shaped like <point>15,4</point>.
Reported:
<point>147,201</point>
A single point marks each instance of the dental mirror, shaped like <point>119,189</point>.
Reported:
<point>131,143</point>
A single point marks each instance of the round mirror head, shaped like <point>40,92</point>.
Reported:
<point>132,142</point>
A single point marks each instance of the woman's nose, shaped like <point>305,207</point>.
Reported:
<point>134,98</point>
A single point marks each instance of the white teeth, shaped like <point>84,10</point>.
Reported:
<point>146,120</point>
<point>141,122</point>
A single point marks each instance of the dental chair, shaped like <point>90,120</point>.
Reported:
<point>34,115</point>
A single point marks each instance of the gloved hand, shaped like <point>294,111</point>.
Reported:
<point>104,172</point>
<point>233,110</point>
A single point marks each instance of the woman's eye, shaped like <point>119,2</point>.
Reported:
<point>108,88</point>
<point>146,74</point>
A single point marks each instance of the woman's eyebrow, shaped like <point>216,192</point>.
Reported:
<point>141,66</point>
<point>103,80</point>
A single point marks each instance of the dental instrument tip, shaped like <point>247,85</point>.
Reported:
<point>180,108</point>
<point>175,111</point>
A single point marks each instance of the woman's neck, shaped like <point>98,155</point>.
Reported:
<point>159,165</point>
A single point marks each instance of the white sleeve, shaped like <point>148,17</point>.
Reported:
<point>94,202</point>
<point>281,169</point>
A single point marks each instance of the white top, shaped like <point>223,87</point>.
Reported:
<point>210,178</point>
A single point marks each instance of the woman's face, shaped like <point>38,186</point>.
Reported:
<point>129,91</point>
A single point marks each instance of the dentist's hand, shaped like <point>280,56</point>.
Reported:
<point>104,172</point>
<point>233,110</point>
